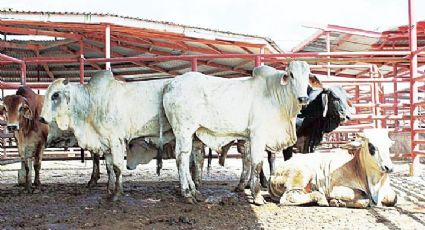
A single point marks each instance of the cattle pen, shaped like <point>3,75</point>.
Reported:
<point>383,72</point>
<point>380,70</point>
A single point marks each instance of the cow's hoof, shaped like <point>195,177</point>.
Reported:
<point>113,198</point>
<point>190,200</point>
<point>199,197</point>
<point>264,184</point>
<point>92,183</point>
<point>333,203</point>
<point>323,202</point>
<point>37,184</point>
<point>110,191</point>
<point>28,190</point>
<point>239,189</point>
<point>259,200</point>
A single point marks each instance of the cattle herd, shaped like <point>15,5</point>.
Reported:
<point>273,111</point>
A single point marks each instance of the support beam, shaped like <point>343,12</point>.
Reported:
<point>45,66</point>
<point>13,45</point>
<point>25,31</point>
<point>341,41</point>
<point>68,50</point>
<point>108,45</point>
<point>413,58</point>
<point>56,44</point>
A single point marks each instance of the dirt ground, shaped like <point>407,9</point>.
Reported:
<point>152,202</point>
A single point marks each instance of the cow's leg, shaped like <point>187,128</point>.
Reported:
<point>209,160</point>
<point>298,197</point>
<point>223,153</point>
<point>183,151</point>
<point>95,175</point>
<point>22,174</point>
<point>118,151</point>
<point>28,165</point>
<point>197,160</point>
<point>257,146</point>
<point>246,166</point>
<point>110,171</point>
<point>287,153</point>
<point>263,179</point>
<point>348,197</point>
<point>37,165</point>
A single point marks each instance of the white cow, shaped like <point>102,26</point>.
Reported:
<point>261,110</point>
<point>106,114</point>
<point>350,177</point>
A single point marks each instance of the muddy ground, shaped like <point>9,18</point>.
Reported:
<point>152,202</point>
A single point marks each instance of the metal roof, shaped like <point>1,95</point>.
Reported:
<point>346,39</point>
<point>58,34</point>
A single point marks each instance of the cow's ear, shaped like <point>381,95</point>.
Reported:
<point>349,103</point>
<point>285,78</point>
<point>27,112</point>
<point>314,81</point>
<point>66,81</point>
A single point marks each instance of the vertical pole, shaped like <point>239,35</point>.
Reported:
<point>108,46</point>
<point>413,72</point>
<point>23,74</point>
<point>195,65</point>
<point>257,62</point>
<point>395,89</point>
<point>81,62</point>
<point>328,49</point>
<point>82,82</point>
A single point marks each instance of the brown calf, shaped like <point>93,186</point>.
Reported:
<point>22,113</point>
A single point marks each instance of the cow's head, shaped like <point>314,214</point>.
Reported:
<point>56,104</point>
<point>336,103</point>
<point>15,108</point>
<point>295,79</point>
<point>379,150</point>
<point>139,152</point>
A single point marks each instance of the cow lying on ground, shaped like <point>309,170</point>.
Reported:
<point>261,110</point>
<point>349,177</point>
<point>106,114</point>
<point>22,113</point>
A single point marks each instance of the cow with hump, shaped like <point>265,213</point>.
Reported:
<point>261,110</point>
<point>106,115</point>
<point>22,112</point>
<point>357,175</point>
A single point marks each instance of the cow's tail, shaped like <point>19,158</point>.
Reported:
<point>160,153</point>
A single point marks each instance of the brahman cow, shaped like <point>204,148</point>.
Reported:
<point>328,107</point>
<point>22,113</point>
<point>261,110</point>
<point>106,114</point>
<point>351,176</point>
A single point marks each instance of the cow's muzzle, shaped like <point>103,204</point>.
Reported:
<point>12,128</point>
<point>303,100</point>
<point>388,169</point>
<point>42,120</point>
